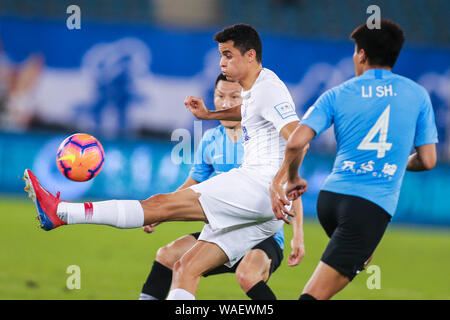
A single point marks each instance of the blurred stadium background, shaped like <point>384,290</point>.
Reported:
<point>123,77</point>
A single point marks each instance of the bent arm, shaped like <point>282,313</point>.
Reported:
<point>297,241</point>
<point>424,159</point>
<point>231,114</point>
<point>199,110</point>
<point>298,144</point>
<point>287,131</point>
<point>297,222</point>
<point>277,192</point>
<point>189,182</point>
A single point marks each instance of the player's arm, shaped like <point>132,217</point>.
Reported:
<point>199,110</point>
<point>317,119</point>
<point>298,148</point>
<point>188,183</point>
<point>297,242</point>
<point>424,159</point>
<point>425,139</point>
<point>288,129</point>
<point>298,144</point>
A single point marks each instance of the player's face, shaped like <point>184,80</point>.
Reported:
<point>233,64</point>
<point>227,95</point>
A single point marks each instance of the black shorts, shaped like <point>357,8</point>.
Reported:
<point>269,246</point>
<point>355,227</point>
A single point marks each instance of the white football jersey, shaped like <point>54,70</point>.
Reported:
<point>266,108</point>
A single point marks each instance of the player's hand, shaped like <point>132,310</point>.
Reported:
<point>150,228</point>
<point>296,188</point>
<point>279,202</point>
<point>197,107</point>
<point>297,253</point>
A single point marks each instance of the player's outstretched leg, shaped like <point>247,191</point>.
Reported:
<point>52,212</point>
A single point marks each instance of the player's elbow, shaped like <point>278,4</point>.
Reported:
<point>428,159</point>
<point>294,145</point>
<point>299,140</point>
<point>297,146</point>
<point>427,156</point>
<point>429,163</point>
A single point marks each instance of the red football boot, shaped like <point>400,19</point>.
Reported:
<point>46,203</point>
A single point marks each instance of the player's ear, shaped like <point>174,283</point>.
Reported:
<point>362,56</point>
<point>251,55</point>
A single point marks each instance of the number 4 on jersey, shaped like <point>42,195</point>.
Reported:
<point>380,126</point>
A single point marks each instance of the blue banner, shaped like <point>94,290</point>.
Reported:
<point>137,169</point>
<point>114,78</point>
<point>133,168</point>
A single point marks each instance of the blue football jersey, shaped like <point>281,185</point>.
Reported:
<point>378,117</point>
<point>217,154</point>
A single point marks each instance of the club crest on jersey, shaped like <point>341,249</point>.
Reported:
<point>285,109</point>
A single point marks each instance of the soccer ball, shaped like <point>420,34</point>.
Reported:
<point>80,157</point>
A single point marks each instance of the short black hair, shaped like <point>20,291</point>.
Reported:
<point>244,36</point>
<point>382,46</point>
<point>221,77</point>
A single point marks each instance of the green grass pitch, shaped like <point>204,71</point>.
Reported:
<point>414,262</point>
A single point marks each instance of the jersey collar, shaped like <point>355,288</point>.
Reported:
<point>377,73</point>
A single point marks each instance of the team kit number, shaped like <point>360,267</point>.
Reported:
<point>382,127</point>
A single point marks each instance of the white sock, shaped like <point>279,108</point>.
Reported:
<point>124,214</point>
<point>145,296</point>
<point>180,294</point>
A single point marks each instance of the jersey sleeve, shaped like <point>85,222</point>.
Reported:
<point>202,168</point>
<point>426,131</point>
<point>320,116</point>
<point>278,106</point>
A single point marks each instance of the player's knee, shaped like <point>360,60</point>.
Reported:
<point>166,257</point>
<point>178,271</point>
<point>246,277</point>
<point>158,206</point>
<point>181,269</point>
<point>177,268</point>
<point>253,268</point>
<point>244,282</point>
<point>156,200</point>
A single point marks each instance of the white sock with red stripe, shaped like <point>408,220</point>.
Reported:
<point>124,214</point>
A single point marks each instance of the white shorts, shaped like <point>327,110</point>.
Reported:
<point>236,242</point>
<point>237,206</point>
